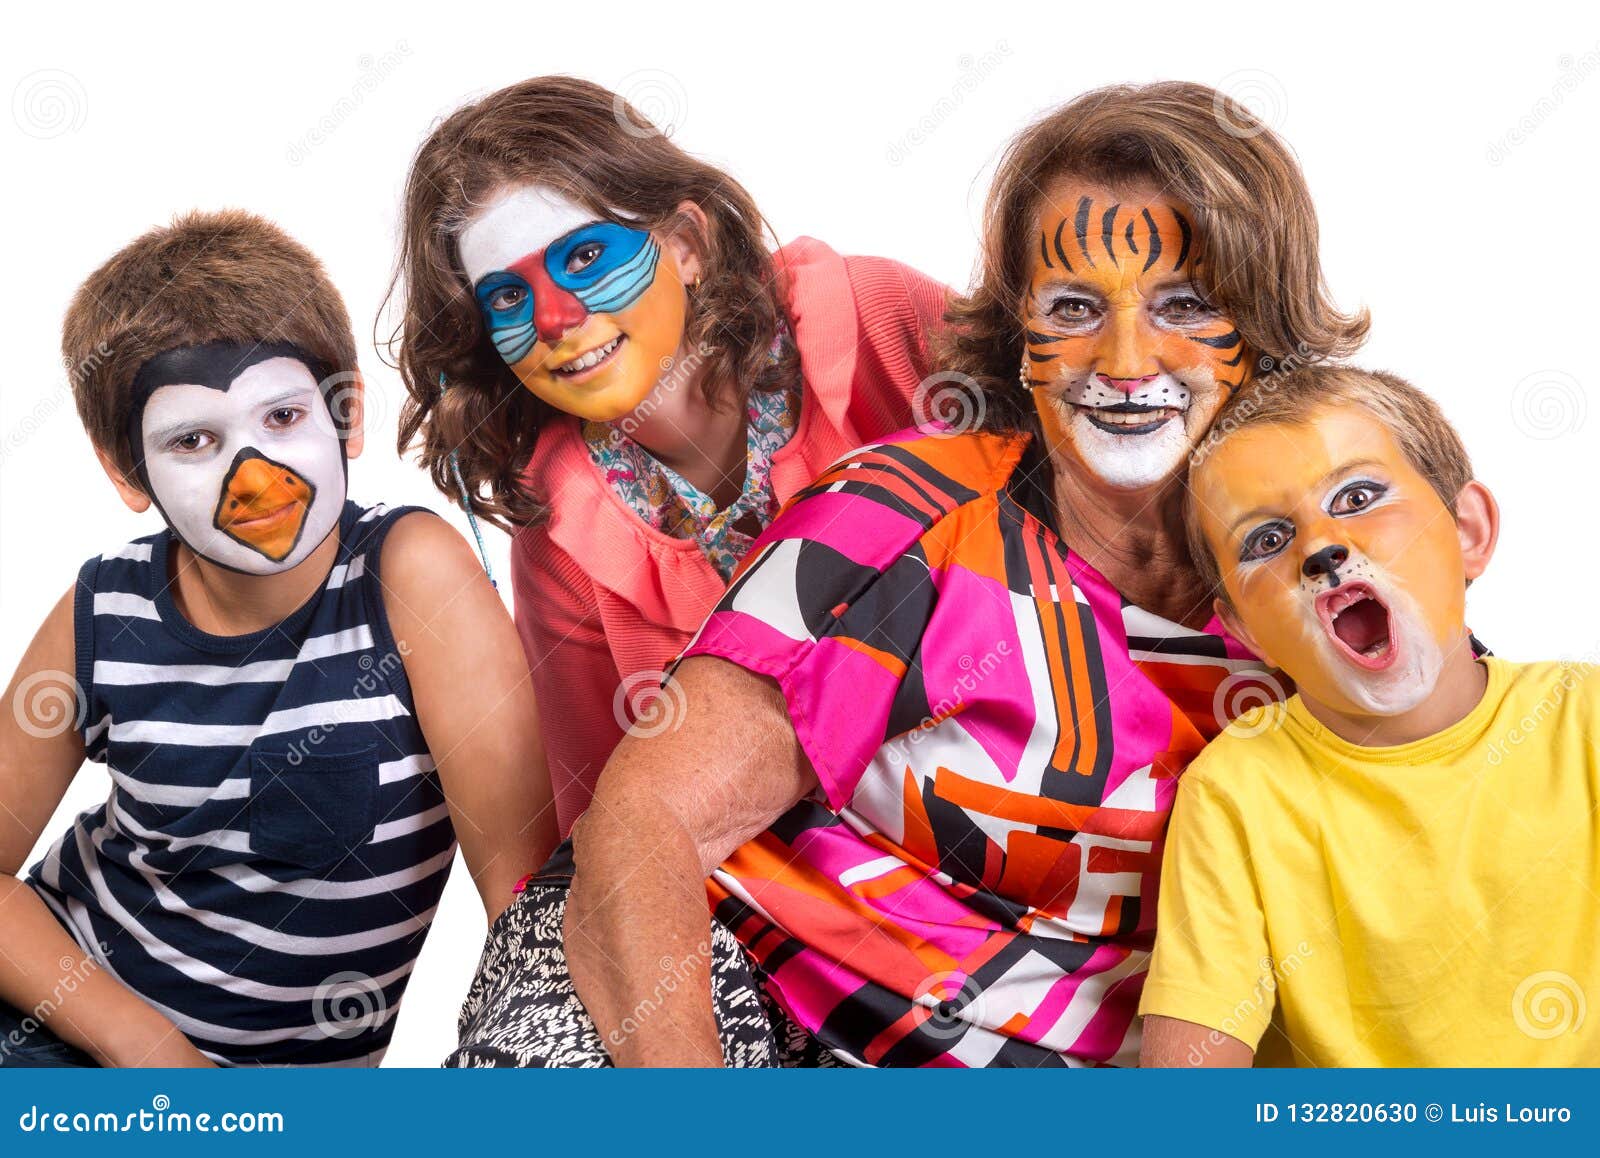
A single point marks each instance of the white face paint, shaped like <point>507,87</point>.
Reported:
<point>252,477</point>
<point>514,225</point>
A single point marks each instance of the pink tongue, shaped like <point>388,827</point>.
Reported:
<point>1363,625</point>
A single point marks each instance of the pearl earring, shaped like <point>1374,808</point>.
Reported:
<point>1022,376</point>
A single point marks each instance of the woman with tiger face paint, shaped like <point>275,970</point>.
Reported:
<point>936,723</point>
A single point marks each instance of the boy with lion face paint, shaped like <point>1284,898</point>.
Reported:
<point>1398,866</point>
<point>267,681</point>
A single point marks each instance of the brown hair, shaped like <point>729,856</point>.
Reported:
<point>1431,445</point>
<point>226,276</point>
<point>588,143</point>
<point>1255,225</point>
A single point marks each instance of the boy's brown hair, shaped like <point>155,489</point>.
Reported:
<point>220,276</point>
<point>1415,421</point>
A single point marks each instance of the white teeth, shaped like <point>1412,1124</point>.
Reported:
<point>592,358</point>
<point>1132,418</point>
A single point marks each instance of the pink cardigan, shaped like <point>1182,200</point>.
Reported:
<point>604,603</point>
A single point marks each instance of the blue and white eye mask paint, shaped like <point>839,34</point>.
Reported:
<point>586,310</point>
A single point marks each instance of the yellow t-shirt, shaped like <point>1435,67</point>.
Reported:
<point>1435,903</point>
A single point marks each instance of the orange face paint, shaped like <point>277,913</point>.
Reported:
<point>264,506</point>
<point>589,314</point>
<point>1341,562</point>
<point>1127,359</point>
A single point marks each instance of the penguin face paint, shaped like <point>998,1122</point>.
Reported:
<point>236,446</point>
<point>587,312</point>
<point>1127,360</point>
<point>1340,559</point>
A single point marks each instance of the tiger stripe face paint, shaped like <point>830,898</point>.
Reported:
<point>1338,557</point>
<point>237,448</point>
<point>588,313</point>
<point>1127,360</point>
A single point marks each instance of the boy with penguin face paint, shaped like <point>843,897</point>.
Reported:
<point>236,445</point>
<point>304,703</point>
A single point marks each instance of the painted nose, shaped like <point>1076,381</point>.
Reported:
<point>555,310</point>
<point>1127,385</point>
<point>1326,562</point>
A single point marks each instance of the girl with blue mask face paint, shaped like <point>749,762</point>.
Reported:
<point>632,381</point>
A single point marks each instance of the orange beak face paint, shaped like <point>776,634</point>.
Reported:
<point>264,505</point>
<point>237,448</point>
<point>1340,560</point>
<point>1127,359</point>
<point>587,312</point>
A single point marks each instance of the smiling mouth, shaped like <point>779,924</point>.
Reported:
<point>258,520</point>
<point>1358,623</point>
<point>1129,417</point>
<point>592,360</point>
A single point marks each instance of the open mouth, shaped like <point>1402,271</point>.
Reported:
<point>1358,623</point>
<point>1129,417</point>
<point>592,360</point>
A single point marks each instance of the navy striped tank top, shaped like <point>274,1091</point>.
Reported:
<point>276,838</point>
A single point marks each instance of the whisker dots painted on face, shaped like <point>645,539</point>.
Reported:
<point>1128,358</point>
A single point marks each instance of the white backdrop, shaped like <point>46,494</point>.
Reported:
<point>1453,161</point>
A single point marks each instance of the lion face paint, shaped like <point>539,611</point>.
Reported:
<point>1340,560</point>
<point>236,446</point>
<point>1127,359</point>
<point>588,313</point>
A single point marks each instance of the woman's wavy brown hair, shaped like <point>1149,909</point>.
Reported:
<point>1256,228</point>
<point>588,144</point>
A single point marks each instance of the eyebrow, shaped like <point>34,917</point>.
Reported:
<point>184,426</point>
<point>1343,468</point>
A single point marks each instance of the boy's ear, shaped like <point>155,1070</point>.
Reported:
<point>130,491</point>
<point>1477,526</point>
<point>351,399</point>
<point>685,240</point>
<point>1237,629</point>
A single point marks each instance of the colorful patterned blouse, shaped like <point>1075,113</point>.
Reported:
<point>998,737</point>
<point>672,504</point>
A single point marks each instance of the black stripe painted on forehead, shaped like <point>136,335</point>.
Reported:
<point>1183,245</point>
<point>1108,223</point>
<point>1080,226</point>
<point>1155,241</point>
<point>213,364</point>
<point>1061,253</point>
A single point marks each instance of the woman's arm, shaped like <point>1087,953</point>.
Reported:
<point>474,701</point>
<point>668,810</point>
<point>41,750</point>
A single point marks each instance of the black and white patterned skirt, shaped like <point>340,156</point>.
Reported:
<point>522,1009</point>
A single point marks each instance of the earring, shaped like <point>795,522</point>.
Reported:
<point>1022,377</point>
